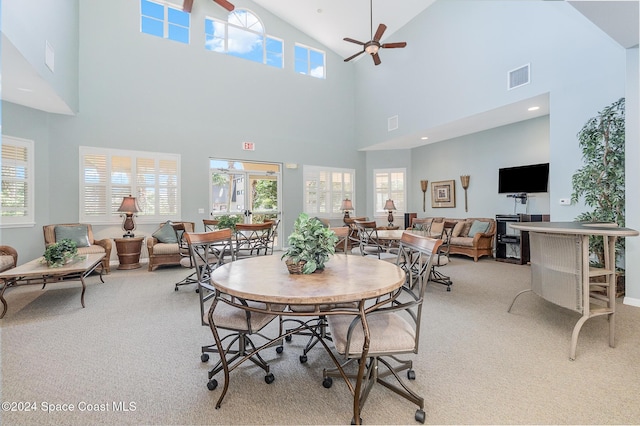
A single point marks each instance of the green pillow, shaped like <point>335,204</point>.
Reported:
<point>166,234</point>
<point>79,234</point>
<point>478,226</point>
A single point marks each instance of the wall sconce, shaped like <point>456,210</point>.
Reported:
<point>346,206</point>
<point>390,207</point>
<point>464,179</point>
<point>129,206</point>
<point>423,186</point>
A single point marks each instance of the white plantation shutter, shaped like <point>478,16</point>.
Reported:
<point>325,188</point>
<point>17,182</point>
<point>109,175</point>
<point>389,184</point>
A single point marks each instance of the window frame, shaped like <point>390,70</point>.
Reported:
<point>380,196</point>
<point>113,216</point>
<point>309,49</point>
<point>167,24</point>
<point>333,197</point>
<point>27,220</point>
<point>267,55</point>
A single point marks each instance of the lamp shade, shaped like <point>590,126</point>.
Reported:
<point>389,205</point>
<point>129,205</point>
<point>346,204</point>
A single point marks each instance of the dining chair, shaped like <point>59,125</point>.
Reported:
<point>442,258</point>
<point>185,256</point>
<point>252,238</point>
<point>368,242</point>
<point>394,328</point>
<point>274,233</point>
<point>224,314</point>
<point>210,225</point>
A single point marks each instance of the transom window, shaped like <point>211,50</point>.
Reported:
<point>243,35</point>
<point>325,188</point>
<point>309,61</point>
<point>163,20</point>
<point>389,185</point>
<point>108,175</point>
<point>17,182</point>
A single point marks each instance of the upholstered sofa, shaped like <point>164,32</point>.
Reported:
<point>8,258</point>
<point>471,237</point>
<point>82,234</point>
<point>163,246</point>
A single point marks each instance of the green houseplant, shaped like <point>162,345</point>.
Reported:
<point>601,180</point>
<point>309,245</point>
<point>229,221</point>
<point>57,254</point>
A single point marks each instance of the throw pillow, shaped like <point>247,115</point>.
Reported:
<point>478,226</point>
<point>79,234</point>
<point>466,228</point>
<point>166,234</point>
<point>437,228</point>
<point>457,229</point>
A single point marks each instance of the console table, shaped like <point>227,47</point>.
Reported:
<point>561,273</point>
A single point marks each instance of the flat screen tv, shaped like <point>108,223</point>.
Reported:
<point>523,179</point>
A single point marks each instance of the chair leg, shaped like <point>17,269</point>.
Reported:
<point>191,279</point>
<point>438,277</point>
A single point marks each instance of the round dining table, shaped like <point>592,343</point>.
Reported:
<point>345,279</point>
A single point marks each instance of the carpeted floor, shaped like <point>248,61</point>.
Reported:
<point>132,356</point>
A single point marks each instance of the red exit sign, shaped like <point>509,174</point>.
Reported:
<point>248,146</point>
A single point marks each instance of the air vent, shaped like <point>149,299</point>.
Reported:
<point>392,123</point>
<point>518,77</point>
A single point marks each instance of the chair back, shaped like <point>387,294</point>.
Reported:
<point>274,232</point>
<point>50,232</point>
<point>368,238</point>
<point>343,238</point>
<point>208,251</point>
<point>210,225</point>
<point>253,238</point>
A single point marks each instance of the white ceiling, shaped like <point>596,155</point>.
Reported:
<point>329,21</point>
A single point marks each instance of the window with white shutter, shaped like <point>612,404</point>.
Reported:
<point>17,182</point>
<point>325,188</point>
<point>108,175</point>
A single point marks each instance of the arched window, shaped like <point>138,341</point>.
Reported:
<point>243,35</point>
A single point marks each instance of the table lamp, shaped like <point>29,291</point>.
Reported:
<point>346,206</point>
<point>390,207</point>
<point>129,206</point>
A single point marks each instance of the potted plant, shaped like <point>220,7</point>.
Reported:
<point>601,180</point>
<point>228,221</point>
<point>309,245</point>
<point>57,254</point>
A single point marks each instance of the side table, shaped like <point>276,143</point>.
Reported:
<point>129,252</point>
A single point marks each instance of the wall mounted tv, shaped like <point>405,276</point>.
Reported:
<point>523,179</point>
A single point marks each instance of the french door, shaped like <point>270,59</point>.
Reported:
<point>248,190</point>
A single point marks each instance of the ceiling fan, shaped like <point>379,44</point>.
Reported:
<point>373,46</point>
<point>188,4</point>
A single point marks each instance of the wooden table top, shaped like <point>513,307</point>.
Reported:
<point>37,268</point>
<point>345,279</point>
<point>577,228</point>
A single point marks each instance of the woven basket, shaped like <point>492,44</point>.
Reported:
<point>295,267</point>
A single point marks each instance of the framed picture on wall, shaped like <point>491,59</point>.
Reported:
<point>443,193</point>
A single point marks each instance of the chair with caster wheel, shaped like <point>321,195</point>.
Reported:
<point>394,328</point>
<point>232,315</point>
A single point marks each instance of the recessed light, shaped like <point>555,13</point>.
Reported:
<point>534,108</point>
<point>424,138</point>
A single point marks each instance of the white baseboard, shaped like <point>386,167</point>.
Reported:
<point>631,301</point>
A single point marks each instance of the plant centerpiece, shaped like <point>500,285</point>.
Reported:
<point>228,221</point>
<point>57,254</point>
<point>310,245</point>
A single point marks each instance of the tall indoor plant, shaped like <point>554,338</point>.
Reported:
<point>309,245</point>
<point>601,180</point>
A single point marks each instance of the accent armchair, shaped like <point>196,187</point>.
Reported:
<point>82,234</point>
<point>8,258</point>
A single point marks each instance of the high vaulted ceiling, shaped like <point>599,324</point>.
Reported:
<point>329,21</point>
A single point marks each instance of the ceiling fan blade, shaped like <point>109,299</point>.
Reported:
<point>350,40</point>
<point>376,59</point>
<point>394,45</point>
<point>225,4</point>
<point>187,5</point>
<point>353,56</point>
<point>381,29</point>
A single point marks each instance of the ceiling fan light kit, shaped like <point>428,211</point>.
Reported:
<point>373,46</point>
